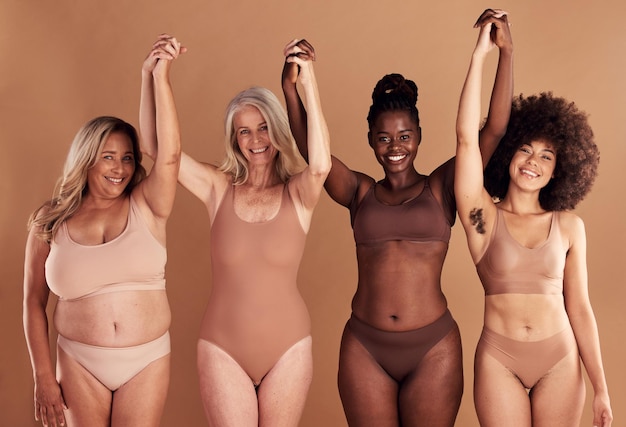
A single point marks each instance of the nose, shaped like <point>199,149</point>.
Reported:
<point>117,165</point>
<point>532,160</point>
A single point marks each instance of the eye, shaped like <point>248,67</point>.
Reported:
<point>127,158</point>
<point>384,139</point>
<point>244,131</point>
<point>107,157</point>
<point>263,128</point>
<point>405,137</point>
<point>525,149</point>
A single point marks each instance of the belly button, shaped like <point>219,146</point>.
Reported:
<point>394,317</point>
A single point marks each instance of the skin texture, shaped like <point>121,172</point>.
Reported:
<point>431,395</point>
<point>123,319</point>
<point>557,398</point>
<point>228,394</point>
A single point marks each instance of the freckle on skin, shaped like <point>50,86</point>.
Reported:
<point>477,220</point>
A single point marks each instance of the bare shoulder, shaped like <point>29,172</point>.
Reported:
<point>570,221</point>
<point>573,228</point>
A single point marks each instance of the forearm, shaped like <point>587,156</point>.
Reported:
<point>468,118</point>
<point>588,340</point>
<point>500,102</point>
<point>317,130</point>
<point>297,117</point>
<point>167,127</point>
<point>36,333</point>
<point>147,116</point>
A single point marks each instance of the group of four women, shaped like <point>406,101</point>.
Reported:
<point>99,245</point>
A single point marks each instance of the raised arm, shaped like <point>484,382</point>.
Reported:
<point>475,208</point>
<point>199,178</point>
<point>310,182</point>
<point>582,318</point>
<point>502,93</point>
<point>159,127</point>
<point>341,183</point>
<point>295,109</point>
<point>48,399</point>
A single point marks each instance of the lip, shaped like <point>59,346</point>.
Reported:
<point>530,173</point>
<point>259,150</point>
<point>395,158</point>
<point>113,180</point>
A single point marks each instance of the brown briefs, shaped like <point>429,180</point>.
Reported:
<point>400,353</point>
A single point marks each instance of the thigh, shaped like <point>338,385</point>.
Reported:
<point>431,395</point>
<point>140,402</point>
<point>368,394</point>
<point>227,392</point>
<point>88,400</point>
<point>282,393</point>
<point>499,396</point>
<point>558,398</point>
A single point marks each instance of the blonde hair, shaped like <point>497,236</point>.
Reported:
<point>72,185</point>
<point>288,161</point>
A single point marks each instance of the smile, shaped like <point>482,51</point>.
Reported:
<point>397,157</point>
<point>529,173</point>
<point>259,150</point>
<point>114,180</point>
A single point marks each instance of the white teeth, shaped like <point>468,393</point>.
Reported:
<point>529,173</point>
<point>396,158</point>
<point>115,180</point>
<point>259,150</point>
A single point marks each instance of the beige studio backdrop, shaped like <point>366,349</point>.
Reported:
<point>64,62</point>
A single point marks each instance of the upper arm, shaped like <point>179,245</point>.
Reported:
<point>36,289</point>
<point>474,204</point>
<point>203,180</point>
<point>575,287</point>
<point>343,184</point>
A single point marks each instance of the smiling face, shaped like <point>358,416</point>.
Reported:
<point>253,136</point>
<point>394,137</point>
<point>114,169</point>
<point>532,165</point>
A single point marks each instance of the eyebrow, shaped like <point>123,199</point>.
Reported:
<point>115,152</point>
<point>400,131</point>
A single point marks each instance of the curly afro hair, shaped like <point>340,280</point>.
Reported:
<point>393,93</point>
<point>554,119</point>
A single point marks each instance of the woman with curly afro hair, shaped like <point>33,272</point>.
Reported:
<point>400,360</point>
<point>530,254</point>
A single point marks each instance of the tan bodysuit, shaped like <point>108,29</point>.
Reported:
<point>255,312</point>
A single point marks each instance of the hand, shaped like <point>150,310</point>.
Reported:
<point>49,403</point>
<point>602,414</point>
<point>495,30</point>
<point>164,51</point>
<point>298,53</point>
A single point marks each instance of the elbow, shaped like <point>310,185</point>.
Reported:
<point>321,169</point>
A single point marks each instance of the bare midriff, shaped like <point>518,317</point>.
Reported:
<point>116,319</point>
<point>526,317</point>
<point>399,286</point>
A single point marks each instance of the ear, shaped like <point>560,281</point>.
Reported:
<point>419,135</point>
<point>369,139</point>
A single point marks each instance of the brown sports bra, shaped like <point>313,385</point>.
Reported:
<point>420,219</point>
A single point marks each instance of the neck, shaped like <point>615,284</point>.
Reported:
<point>260,177</point>
<point>522,203</point>
<point>402,180</point>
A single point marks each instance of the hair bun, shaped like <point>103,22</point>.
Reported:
<point>395,85</point>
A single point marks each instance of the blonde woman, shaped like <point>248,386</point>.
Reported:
<point>99,245</point>
<point>254,351</point>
